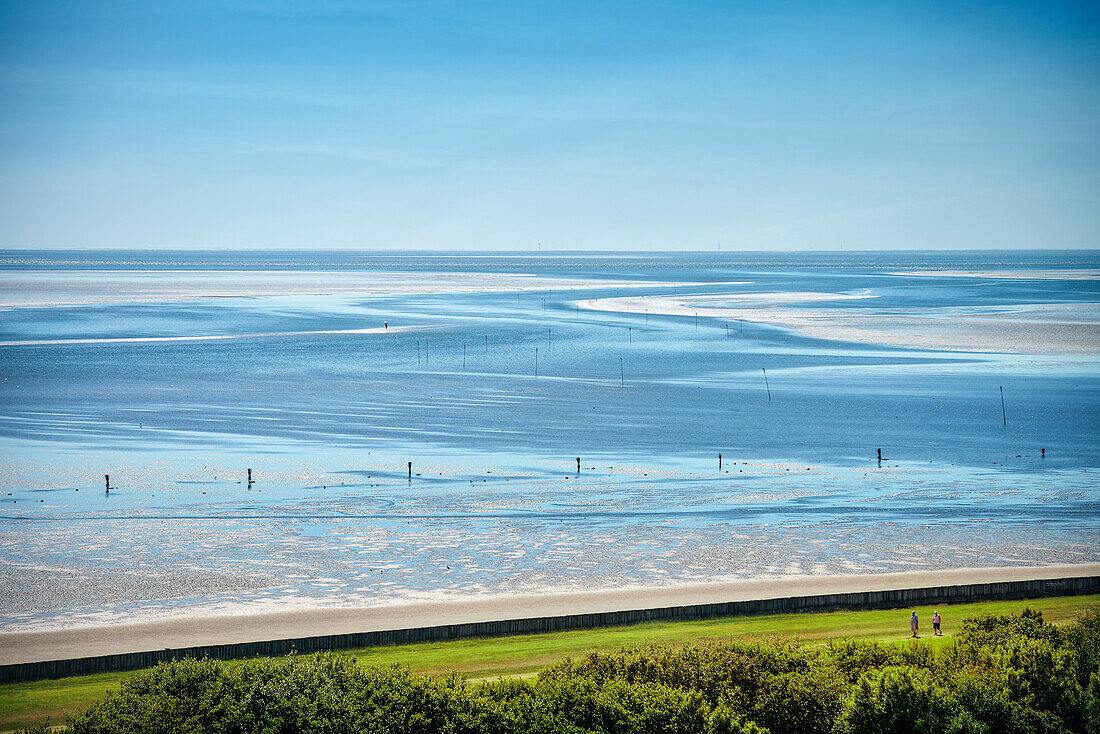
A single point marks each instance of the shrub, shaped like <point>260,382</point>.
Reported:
<point>895,700</point>
<point>1083,636</point>
<point>1092,705</point>
<point>42,727</point>
<point>1004,675</point>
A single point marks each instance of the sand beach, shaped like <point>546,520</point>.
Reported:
<point>22,647</point>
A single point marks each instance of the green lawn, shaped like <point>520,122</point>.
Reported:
<point>525,654</point>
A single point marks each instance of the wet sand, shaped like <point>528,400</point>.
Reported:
<point>1040,328</point>
<point>1075,274</point>
<point>21,647</point>
<point>41,289</point>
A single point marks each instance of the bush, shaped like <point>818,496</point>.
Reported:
<point>42,727</point>
<point>895,700</point>
<point>1003,675</point>
<point>1083,636</point>
<point>1092,705</point>
<point>784,687</point>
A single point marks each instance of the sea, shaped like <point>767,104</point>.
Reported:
<point>186,433</point>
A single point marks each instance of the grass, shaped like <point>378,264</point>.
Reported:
<point>25,702</point>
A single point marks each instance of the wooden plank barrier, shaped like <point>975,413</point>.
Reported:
<point>894,599</point>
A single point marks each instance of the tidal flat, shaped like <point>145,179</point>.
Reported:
<point>327,373</point>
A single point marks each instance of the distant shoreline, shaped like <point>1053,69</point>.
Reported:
<point>27,647</point>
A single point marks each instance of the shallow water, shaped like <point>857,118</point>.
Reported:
<point>326,390</point>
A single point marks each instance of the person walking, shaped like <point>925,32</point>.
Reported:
<point>936,624</point>
<point>913,623</point>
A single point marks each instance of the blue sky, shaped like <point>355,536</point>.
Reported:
<point>486,125</point>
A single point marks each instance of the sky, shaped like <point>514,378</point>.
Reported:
<point>561,125</point>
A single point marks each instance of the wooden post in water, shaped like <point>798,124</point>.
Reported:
<point>1004,415</point>
<point>629,335</point>
<point>108,478</point>
<point>249,477</point>
<point>880,457</point>
<point>1044,454</point>
<point>769,387</point>
<point>410,470</point>
<point>578,465</point>
<point>719,462</point>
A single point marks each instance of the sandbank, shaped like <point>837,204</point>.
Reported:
<point>42,288</point>
<point>21,647</point>
<point>1050,274</point>
<point>1045,328</point>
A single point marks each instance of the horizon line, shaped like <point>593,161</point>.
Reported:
<point>564,251</point>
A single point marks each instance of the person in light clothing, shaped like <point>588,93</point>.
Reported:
<point>936,624</point>
<point>913,623</point>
